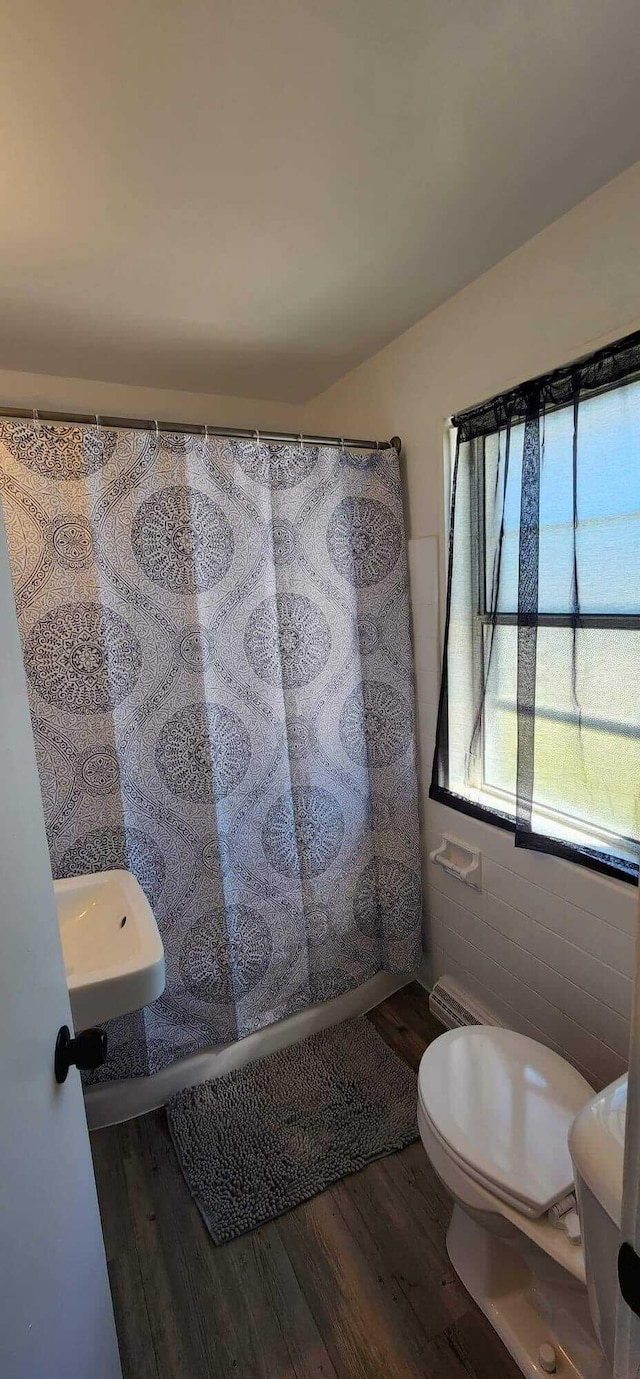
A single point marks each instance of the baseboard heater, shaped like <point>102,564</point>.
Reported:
<point>453,1006</point>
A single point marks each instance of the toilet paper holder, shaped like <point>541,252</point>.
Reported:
<point>459,860</point>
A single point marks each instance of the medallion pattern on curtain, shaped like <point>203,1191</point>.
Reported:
<point>217,647</point>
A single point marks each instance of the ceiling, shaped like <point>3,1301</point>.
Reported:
<point>252,196</point>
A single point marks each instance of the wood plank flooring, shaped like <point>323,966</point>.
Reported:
<point>355,1284</point>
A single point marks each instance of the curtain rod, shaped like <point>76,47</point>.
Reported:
<point>196,429</point>
<point>597,372</point>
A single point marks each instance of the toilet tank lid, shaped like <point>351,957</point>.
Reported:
<point>596,1143</point>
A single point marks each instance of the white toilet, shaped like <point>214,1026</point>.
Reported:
<point>501,1118</point>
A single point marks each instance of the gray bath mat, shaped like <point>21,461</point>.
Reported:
<point>258,1141</point>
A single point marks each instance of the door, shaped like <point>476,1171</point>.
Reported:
<point>56,1318</point>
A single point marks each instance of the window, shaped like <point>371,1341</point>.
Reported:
<point>539,722</point>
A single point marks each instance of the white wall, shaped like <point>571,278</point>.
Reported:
<point>56,394</point>
<point>548,944</point>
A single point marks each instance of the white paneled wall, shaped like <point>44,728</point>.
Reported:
<point>547,945</point>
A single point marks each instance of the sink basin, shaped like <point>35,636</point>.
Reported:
<point>112,950</point>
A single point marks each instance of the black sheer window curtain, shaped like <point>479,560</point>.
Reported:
<point>539,717</point>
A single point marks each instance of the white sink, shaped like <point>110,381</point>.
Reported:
<point>112,950</point>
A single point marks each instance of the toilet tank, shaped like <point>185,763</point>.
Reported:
<point>596,1144</point>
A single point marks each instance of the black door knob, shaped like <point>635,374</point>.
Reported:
<point>88,1050</point>
<point>629,1276</point>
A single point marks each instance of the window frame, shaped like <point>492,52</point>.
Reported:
<point>579,852</point>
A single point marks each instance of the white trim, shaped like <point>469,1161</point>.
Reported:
<point>108,1103</point>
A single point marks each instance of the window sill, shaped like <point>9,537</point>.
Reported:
<point>581,848</point>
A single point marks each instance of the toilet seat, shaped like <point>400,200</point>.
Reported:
<point>501,1105</point>
<point>492,1198</point>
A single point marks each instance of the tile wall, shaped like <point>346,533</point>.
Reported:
<point>547,945</point>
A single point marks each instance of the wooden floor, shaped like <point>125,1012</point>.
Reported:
<point>355,1284</point>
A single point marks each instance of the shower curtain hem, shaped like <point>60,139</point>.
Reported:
<point>109,1103</point>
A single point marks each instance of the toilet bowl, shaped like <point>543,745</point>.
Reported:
<point>495,1114</point>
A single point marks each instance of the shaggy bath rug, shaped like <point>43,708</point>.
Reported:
<point>262,1139</point>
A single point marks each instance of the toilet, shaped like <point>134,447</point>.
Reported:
<point>513,1131</point>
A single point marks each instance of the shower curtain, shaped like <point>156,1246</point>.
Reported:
<point>217,648</point>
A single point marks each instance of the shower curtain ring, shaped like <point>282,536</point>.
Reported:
<point>36,418</point>
<point>301,441</point>
<point>157,429</point>
<point>97,423</point>
<point>257,438</point>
